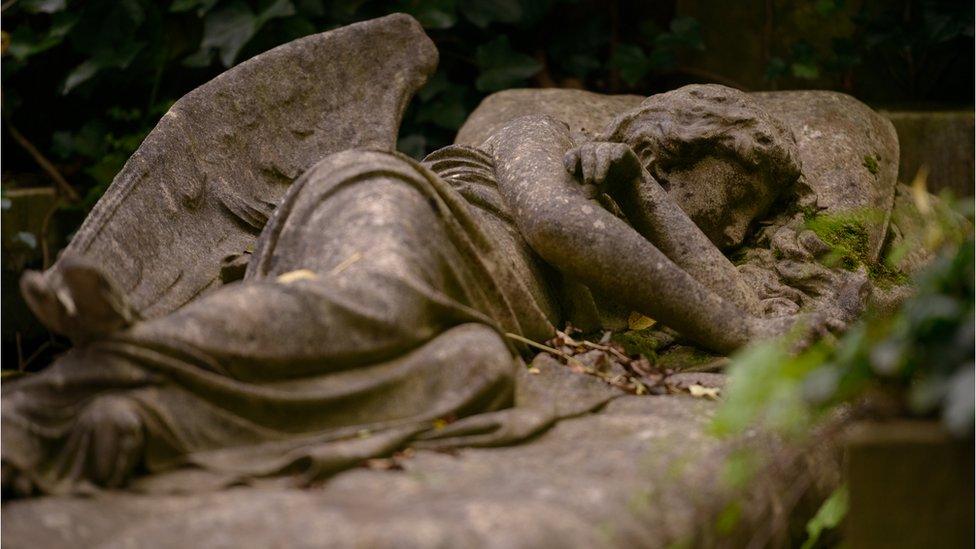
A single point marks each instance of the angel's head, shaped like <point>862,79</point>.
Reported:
<point>720,156</point>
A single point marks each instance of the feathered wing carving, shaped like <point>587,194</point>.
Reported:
<point>202,185</point>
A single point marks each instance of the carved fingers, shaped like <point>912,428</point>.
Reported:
<point>602,165</point>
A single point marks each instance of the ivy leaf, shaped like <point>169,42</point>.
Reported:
<point>447,110</point>
<point>686,31</point>
<point>803,52</point>
<point>227,30</point>
<point>828,516</point>
<point>484,12</point>
<point>281,8</point>
<point>579,64</point>
<point>202,6</point>
<point>27,239</point>
<point>776,68</point>
<point>501,66</point>
<point>632,62</point>
<point>827,7</point>
<point>78,75</point>
<point>44,6</point>
<point>432,14</point>
<point>24,42</point>
<point>413,145</point>
<point>118,59</point>
<point>806,71</point>
<point>310,8</point>
<point>230,27</point>
<point>436,85</point>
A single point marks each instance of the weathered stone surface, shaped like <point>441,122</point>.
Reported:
<point>206,179</point>
<point>849,153</point>
<point>943,142</point>
<point>643,472</point>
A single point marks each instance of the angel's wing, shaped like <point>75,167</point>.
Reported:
<point>205,180</point>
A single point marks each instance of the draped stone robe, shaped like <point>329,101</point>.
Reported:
<point>376,303</point>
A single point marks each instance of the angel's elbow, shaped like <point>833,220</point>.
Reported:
<point>550,235</point>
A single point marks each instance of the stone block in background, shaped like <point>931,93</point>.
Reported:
<point>911,485</point>
<point>941,140</point>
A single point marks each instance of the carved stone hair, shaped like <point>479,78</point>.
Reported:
<point>677,128</point>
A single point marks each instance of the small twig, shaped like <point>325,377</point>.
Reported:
<point>543,78</point>
<point>614,9</point>
<point>37,352</point>
<point>20,353</point>
<point>545,348</point>
<point>606,349</point>
<point>61,183</point>
<point>45,229</point>
<point>346,263</point>
<point>7,4</point>
<point>767,35</point>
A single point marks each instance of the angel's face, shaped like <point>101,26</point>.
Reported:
<point>721,196</point>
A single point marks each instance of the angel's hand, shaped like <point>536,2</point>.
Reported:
<point>77,299</point>
<point>601,166</point>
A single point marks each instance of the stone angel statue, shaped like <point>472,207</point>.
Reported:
<point>268,289</point>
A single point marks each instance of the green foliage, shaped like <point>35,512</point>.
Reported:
<point>847,235</point>
<point>828,517</point>
<point>636,62</point>
<point>227,29</point>
<point>502,67</point>
<point>923,355</point>
<point>644,342</point>
<point>911,39</point>
<point>766,387</point>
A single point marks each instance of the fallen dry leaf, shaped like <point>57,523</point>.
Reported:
<point>637,321</point>
<point>295,276</point>
<point>701,391</point>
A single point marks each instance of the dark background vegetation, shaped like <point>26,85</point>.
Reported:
<point>85,80</point>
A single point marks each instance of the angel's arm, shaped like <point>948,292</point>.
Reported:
<point>615,169</point>
<point>578,237</point>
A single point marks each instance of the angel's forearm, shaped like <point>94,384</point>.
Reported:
<point>658,218</point>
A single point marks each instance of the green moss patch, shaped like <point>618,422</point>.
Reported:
<point>871,163</point>
<point>644,342</point>
<point>847,236</point>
